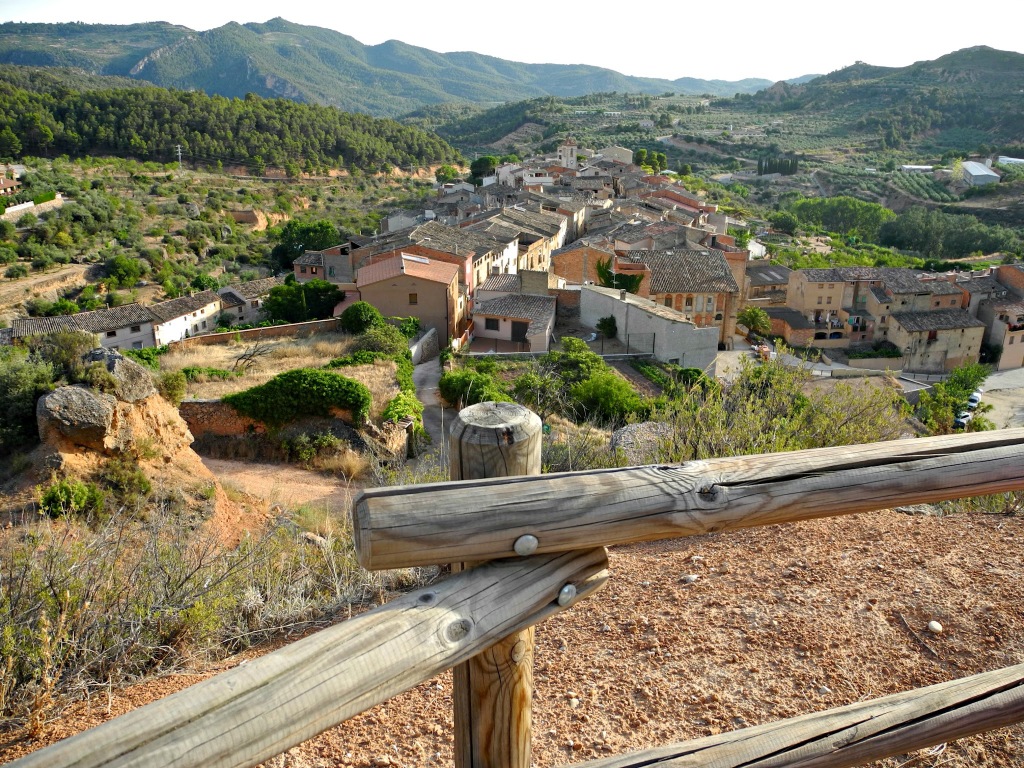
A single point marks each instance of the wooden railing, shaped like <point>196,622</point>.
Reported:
<point>534,546</point>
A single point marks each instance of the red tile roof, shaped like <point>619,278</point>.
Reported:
<point>414,266</point>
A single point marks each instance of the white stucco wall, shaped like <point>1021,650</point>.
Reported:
<point>675,340</point>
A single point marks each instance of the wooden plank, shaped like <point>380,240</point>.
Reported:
<point>493,691</point>
<point>856,734</point>
<point>260,709</point>
<point>481,519</point>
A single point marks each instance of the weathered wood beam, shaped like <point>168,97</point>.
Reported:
<point>257,710</point>
<point>853,735</point>
<point>482,519</point>
<point>493,691</point>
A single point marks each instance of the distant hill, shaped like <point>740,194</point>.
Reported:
<point>315,65</point>
<point>62,111</point>
<point>976,88</point>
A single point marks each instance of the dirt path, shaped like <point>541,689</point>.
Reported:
<point>282,484</point>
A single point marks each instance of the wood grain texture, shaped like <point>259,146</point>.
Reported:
<point>856,734</point>
<point>481,519</point>
<point>493,691</point>
<point>494,440</point>
<point>266,706</point>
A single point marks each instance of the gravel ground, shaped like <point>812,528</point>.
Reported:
<point>779,621</point>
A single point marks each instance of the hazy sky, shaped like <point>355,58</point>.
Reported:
<point>726,41</point>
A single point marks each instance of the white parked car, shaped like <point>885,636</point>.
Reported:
<point>974,400</point>
<point>963,419</point>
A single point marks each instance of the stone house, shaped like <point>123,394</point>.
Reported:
<point>765,284</point>
<point>666,332</point>
<point>485,255</point>
<point>409,285</point>
<point>577,263</point>
<point>245,300</point>
<point>187,316</point>
<point>127,327</point>
<point>1004,321</point>
<point>523,322</point>
<point>937,341</point>
<point>698,283</point>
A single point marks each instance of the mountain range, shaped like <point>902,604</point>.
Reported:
<point>321,66</point>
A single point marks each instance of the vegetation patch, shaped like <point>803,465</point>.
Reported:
<point>304,392</point>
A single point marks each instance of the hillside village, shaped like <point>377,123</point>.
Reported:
<point>182,508</point>
<point>492,267</point>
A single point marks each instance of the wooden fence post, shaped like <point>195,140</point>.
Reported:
<point>493,691</point>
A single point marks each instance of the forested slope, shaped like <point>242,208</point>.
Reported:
<point>46,115</point>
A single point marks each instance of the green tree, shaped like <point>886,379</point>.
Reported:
<point>205,282</point>
<point>483,166</point>
<point>10,144</point>
<point>22,382</point>
<point>124,271</point>
<point>359,316</point>
<point>756,320</point>
<point>296,302</point>
<point>784,221</point>
<point>446,173</point>
<point>609,279</point>
<point>299,236</point>
<point>937,409</point>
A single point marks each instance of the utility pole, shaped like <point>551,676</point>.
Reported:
<point>178,148</point>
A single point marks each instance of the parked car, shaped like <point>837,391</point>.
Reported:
<point>963,419</point>
<point>974,400</point>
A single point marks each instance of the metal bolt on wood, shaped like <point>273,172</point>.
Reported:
<point>567,594</point>
<point>526,545</point>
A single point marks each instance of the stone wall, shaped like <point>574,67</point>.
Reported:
<point>427,347</point>
<point>877,363</point>
<point>213,417</point>
<point>568,304</point>
<point>15,212</point>
<point>297,330</point>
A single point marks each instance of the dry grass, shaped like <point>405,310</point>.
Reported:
<point>347,463</point>
<point>284,354</point>
<point>379,378</point>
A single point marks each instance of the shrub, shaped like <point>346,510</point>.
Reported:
<point>15,271</point>
<point>383,338</point>
<point>606,396</point>
<point>64,351</point>
<point>302,392</point>
<point>467,386</point>
<point>608,326</point>
<point>359,317</point>
<point>402,405</point>
<point>127,481</point>
<point>197,372</point>
<point>148,356</point>
<point>305,448</point>
<point>71,497</point>
<point>99,378</point>
<point>22,381</point>
<point>172,386</point>
<point>409,326</point>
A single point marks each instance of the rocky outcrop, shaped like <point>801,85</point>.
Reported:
<point>130,420</point>
<point>133,381</point>
<point>75,414</point>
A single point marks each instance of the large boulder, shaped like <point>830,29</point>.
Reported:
<point>133,381</point>
<point>77,414</point>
